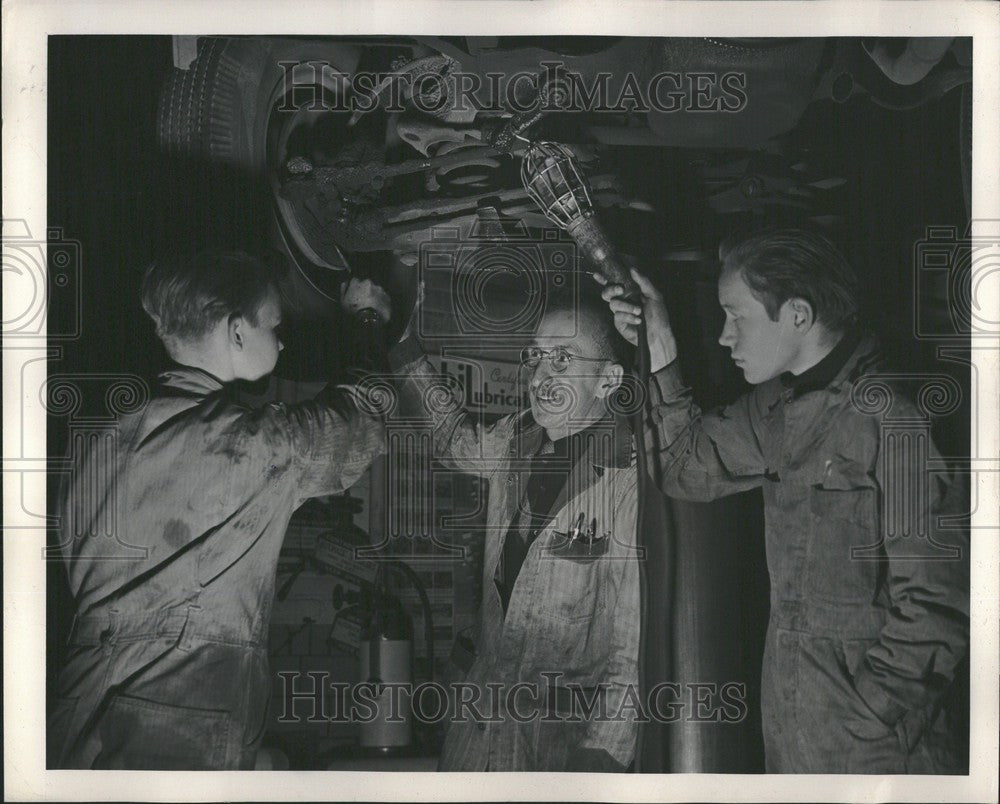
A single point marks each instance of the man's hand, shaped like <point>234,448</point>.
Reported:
<point>359,294</point>
<point>593,760</point>
<point>662,347</point>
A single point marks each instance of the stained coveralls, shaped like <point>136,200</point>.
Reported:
<point>171,533</point>
<point>868,626</point>
<point>571,626</point>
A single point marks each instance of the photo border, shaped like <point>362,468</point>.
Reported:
<point>26,25</point>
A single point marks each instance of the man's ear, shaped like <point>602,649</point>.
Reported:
<point>236,331</point>
<point>801,314</point>
<point>610,380</point>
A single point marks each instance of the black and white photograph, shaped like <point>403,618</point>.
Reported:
<point>601,396</point>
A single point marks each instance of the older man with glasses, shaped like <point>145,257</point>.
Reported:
<point>552,685</point>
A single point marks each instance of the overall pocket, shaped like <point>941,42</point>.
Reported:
<point>137,734</point>
<point>844,561</point>
<point>839,732</point>
<point>256,704</point>
<point>854,652</point>
<point>59,732</point>
<point>570,591</point>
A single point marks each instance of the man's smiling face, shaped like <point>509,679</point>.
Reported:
<point>568,401</point>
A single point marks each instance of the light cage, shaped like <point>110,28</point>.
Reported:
<point>552,180</point>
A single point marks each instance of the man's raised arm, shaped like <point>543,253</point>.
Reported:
<point>701,456</point>
<point>461,441</point>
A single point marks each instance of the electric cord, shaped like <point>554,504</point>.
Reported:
<point>648,472</point>
<point>425,604</point>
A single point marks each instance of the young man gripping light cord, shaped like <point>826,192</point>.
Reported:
<point>869,624</point>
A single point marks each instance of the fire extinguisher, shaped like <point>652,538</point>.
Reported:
<point>386,658</point>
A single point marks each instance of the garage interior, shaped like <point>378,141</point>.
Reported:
<point>158,141</point>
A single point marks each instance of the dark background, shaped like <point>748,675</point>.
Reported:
<point>111,189</point>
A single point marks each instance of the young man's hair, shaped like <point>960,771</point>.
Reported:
<point>788,263</point>
<point>187,295</point>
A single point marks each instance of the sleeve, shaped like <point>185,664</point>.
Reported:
<point>461,442</point>
<point>702,456</point>
<point>322,446</point>
<point>926,636</point>
<point>618,737</point>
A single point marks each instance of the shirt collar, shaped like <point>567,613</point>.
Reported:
<point>826,370</point>
<point>190,379</point>
<point>601,451</point>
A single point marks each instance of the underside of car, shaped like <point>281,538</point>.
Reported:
<point>359,153</point>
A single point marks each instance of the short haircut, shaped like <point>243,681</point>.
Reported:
<point>782,264</point>
<point>187,295</point>
<point>592,313</point>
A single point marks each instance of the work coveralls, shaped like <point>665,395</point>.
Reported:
<point>171,532</point>
<point>572,623</point>
<point>869,602</point>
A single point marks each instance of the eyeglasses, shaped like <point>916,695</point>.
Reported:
<point>559,358</point>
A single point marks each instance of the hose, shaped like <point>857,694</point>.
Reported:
<point>648,471</point>
<point>425,604</point>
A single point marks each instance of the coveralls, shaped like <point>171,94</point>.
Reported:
<point>869,623</point>
<point>572,623</point>
<point>171,532</point>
